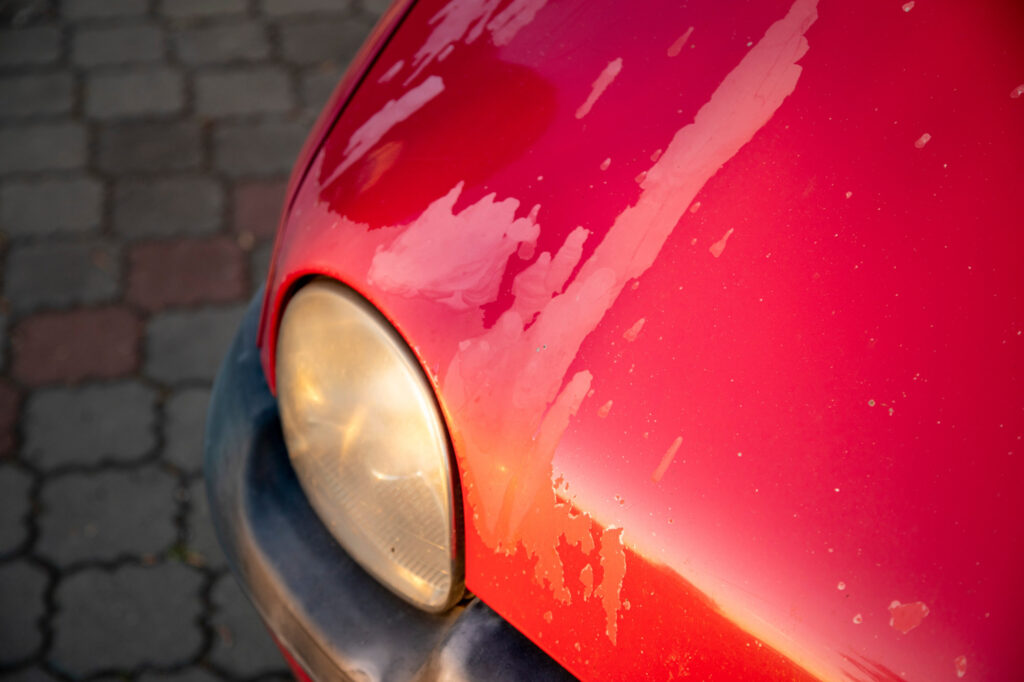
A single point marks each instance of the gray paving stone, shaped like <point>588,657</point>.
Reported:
<point>101,615</point>
<point>190,674</point>
<point>89,424</point>
<point>41,146</point>
<point>44,207</point>
<point>242,645</point>
<point>185,415</point>
<point>102,9</point>
<point>138,92</point>
<point>106,515</point>
<point>150,147</point>
<point>191,9</point>
<point>25,46</point>
<point>22,588</point>
<point>56,274</point>
<point>257,149</point>
<point>202,539</point>
<point>283,8</point>
<point>36,95</point>
<point>375,7</point>
<point>314,42</point>
<point>242,90</point>
<point>221,43</point>
<point>259,264</point>
<point>189,345</point>
<point>15,486</point>
<point>318,84</point>
<point>117,45</point>
<point>22,592</point>
<point>172,206</point>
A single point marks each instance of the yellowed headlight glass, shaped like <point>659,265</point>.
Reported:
<point>368,443</point>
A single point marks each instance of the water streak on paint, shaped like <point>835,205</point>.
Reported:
<point>390,115</point>
<point>677,47</point>
<point>718,247</point>
<point>666,459</point>
<point>634,331</point>
<point>601,83</point>
<point>906,617</point>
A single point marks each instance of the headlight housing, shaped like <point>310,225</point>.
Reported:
<point>368,443</point>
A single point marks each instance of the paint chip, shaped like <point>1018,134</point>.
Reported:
<point>677,47</point>
<point>960,665</point>
<point>666,459</point>
<point>634,331</point>
<point>922,141</point>
<point>907,6</point>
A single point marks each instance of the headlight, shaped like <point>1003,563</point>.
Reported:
<point>368,443</point>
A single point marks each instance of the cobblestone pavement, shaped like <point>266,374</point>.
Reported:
<point>144,148</point>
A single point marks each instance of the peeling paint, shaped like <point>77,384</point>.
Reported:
<point>677,47</point>
<point>454,258</point>
<point>666,459</point>
<point>906,617</point>
<point>587,578</point>
<point>634,331</point>
<point>601,83</point>
<point>718,247</point>
<point>613,562</point>
<point>392,72</point>
<point>390,115</point>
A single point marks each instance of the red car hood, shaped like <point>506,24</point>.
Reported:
<point>722,306</point>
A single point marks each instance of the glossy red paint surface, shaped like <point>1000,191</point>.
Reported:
<point>723,307</point>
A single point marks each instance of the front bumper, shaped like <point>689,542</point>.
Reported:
<point>334,618</point>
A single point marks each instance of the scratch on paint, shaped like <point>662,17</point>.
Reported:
<point>677,46</point>
<point>666,459</point>
<point>601,83</point>
<point>718,247</point>
<point>390,115</point>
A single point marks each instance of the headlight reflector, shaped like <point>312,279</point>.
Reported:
<point>368,443</point>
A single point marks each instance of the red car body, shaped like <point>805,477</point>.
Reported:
<point>722,307</point>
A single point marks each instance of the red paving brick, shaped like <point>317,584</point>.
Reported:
<point>258,207</point>
<point>67,347</point>
<point>8,417</point>
<point>186,272</point>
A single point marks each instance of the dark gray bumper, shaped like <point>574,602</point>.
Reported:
<point>336,620</point>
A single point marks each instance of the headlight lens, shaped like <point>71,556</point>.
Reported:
<point>368,443</point>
